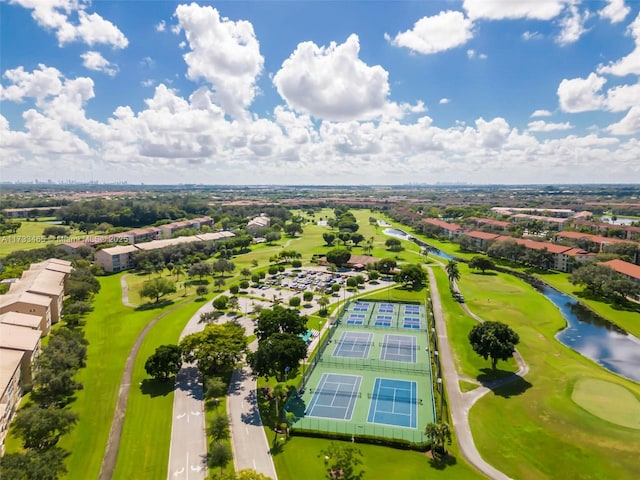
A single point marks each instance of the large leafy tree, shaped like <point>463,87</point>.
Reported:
<point>216,349</point>
<point>329,238</point>
<point>47,464</point>
<point>157,288</point>
<point>41,428</point>
<point>386,265</point>
<point>494,340</point>
<point>603,281</point>
<point>219,455</point>
<point>412,275</point>
<point>278,353</point>
<point>165,362</point>
<point>481,263</point>
<point>338,256</point>
<point>342,460</point>
<point>280,320</point>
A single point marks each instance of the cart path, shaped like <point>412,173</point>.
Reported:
<point>113,442</point>
<point>125,291</point>
<point>460,403</point>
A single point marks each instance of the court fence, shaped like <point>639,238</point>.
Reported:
<point>373,364</point>
<point>410,439</point>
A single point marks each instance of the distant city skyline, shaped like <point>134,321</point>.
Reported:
<point>320,93</point>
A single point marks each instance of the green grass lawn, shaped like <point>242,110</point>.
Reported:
<point>459,324</point>
<point>28,236</point>
<point>609,401</point>
<point>146,435</point>
<point>111,330</point>
<point>300,458</point>
<point>532,428</point>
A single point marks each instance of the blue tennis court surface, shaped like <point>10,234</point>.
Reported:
<point>354,345</point>
<point>360,307</point>
<point>394,402</point>
<point>411,322</point>
<point>399,348</point>
<point>383,320</point>
<point>386,308</point>
<point>356,319</point>
<point>335,396</point>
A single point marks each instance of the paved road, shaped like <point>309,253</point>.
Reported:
<point>188,450</point>
<point>459,406</point>
<point>251,448</point>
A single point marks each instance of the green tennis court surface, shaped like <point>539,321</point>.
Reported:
<point>370,378</point>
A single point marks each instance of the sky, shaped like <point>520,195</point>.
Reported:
<point>320,92</point>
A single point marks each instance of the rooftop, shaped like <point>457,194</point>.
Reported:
<point>21,319</point>
<point>13,337</point>
<point>9,363</point>
<point>625,268</point>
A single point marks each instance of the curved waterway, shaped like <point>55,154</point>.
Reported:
<point>394,232</point>
<point>596,338</point>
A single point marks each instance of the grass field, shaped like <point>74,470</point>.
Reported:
<point>609,401</point>
<point>111,330</point>
<point>532,428</point>
<point>300,458</point>
<point>459,324</point>
<point>29,236</point>
<point>146,435</point>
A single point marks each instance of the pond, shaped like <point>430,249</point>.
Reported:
<point>394,232</point>
<point>596,338</point>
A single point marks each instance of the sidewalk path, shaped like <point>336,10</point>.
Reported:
<point>459,404</point>
<point>125,291</point>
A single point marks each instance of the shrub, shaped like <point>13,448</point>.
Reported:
<point>234,289</point>
<point>244,284</point>
<point>296,263</point>
<point>294,301</point>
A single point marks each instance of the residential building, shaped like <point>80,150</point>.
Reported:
<point>29,303</point>
<point>563,256</point>
<point>116,259</point>
<point>482,240</point>
<point>41,281</point>
<point>10,389</point>
<point>629,270</point>
<point>33,322</point>
<point>451,230</point>
<point>28,212</point>
<point>22,340</point>
<point>497,225</point>
<point>596,241</point>
<point>257,224</point>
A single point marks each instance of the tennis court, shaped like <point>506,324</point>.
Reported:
<point>383,320</point>
<point>361,307</point>
<point>399,348</point>
<point>354,345</point>
<point>356,319</point>
<point>335,396</point>
<point>394,402</point>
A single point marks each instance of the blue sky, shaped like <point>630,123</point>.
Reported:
<point>314,92</point>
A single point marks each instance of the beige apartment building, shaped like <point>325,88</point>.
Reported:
<point>29,303</point>
<point>24,340</point>
<point>10,389</point>
<point>33,322</point>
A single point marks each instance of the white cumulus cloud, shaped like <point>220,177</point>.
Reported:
<point>91,29</point>
<point>631,63</point>
<point>39,84</point>
<point>629,125</point>
<point>581,94</point>
<point>542,126</point>
<point>541,113</point>
<point>438,33</point>
<point>333,83</point>
<point>615,11</point>
<point>224,53</point>
<point>510,9</point>
<point>572,26</point>
<point>444,101</point>
<point>95,61</point>
<point>161,26</point>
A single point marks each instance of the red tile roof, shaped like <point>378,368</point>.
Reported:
<point>482,235</point>
<point>489,221</point>
<point>625,268</point>
<point>453,227</point>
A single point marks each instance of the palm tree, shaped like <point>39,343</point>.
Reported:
<point>245,272</point>
<point>452,272</point>
<point>323,302</point>
<point>426,250</point>
<point>438,433</point>
<point>178,269</point>
<point>279,394</point>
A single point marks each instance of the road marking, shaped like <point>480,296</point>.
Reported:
<point>181,415</point>
<point>246,430</point>
<point>254,464</point>
<point>178,472</point>
<point>195,413</point>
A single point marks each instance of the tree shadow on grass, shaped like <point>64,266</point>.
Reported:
<point>156,388</point>
<point>511,386</point>
<point>153,306</point>
<point>489,375</point>
<point>442,463</point>
<point>485,274</point>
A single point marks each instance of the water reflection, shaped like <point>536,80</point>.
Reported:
<point>394,232</point>
<point>596,338</point>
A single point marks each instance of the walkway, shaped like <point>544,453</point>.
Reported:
<point>125,292</point>
<point>459,403</point>
<point>113,442</point>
